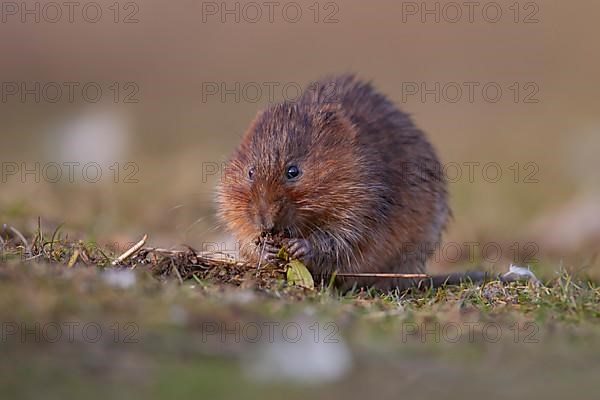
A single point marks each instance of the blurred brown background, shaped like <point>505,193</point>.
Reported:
<point>158,63</point>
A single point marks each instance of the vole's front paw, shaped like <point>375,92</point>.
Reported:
<point>267,252</point>
<point>300,249</point>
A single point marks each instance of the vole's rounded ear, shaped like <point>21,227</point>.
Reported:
<point>332,116</point>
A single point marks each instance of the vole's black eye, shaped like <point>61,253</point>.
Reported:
<point>292,172</point>
<point>251,173</point>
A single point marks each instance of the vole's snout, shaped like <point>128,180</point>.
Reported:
<point>267,216</point>
<point>267,226</point>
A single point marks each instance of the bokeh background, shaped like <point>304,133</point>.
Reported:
<point>158,117</point>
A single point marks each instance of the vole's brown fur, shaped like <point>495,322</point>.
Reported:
<point>370,196</point>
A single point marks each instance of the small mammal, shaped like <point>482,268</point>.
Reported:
<point>345,180</point>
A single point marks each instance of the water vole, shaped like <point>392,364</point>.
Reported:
<point>344,178</point>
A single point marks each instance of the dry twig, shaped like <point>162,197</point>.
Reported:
<point>137,247</point>
<point>383,275</point>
